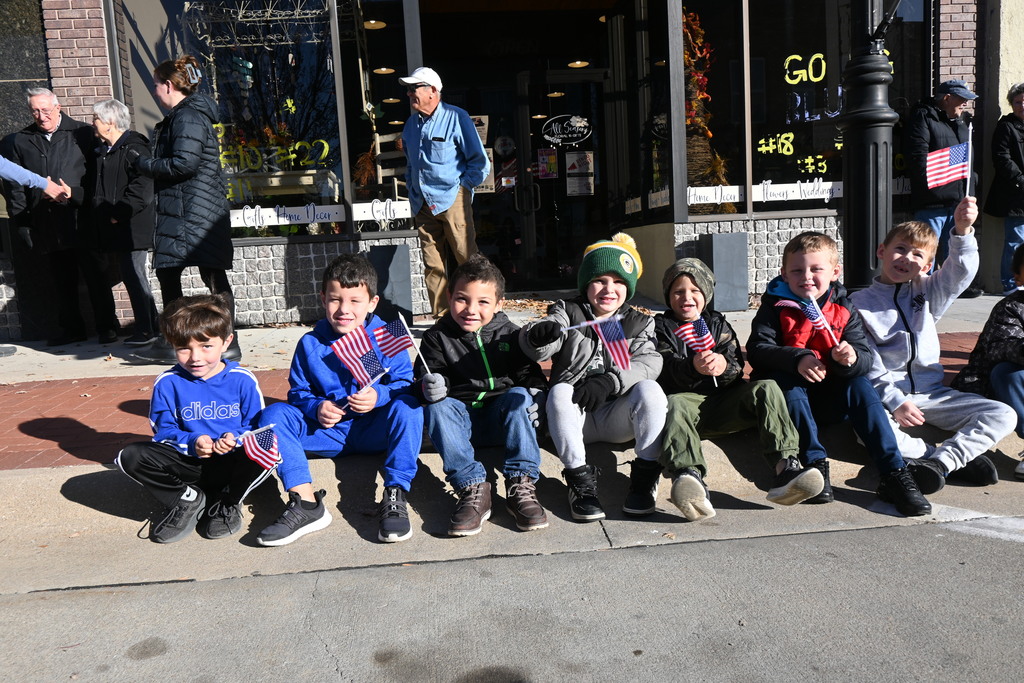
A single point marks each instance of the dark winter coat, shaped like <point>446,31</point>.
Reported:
<point>123,195</point>
<point>678,374</point>
<point>479,365</point>
<point>193,226</point>
<point>929,130</point>
<point>780,336</point>
<point>69,156</point>
<point>1001,340</point>
<point>1006,196</point>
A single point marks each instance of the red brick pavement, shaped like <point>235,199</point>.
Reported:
<point>76,422</point>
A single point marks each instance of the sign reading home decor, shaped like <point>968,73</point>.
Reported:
<point>257,216</point>
<point>567,129</point>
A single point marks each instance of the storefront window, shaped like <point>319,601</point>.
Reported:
<point>272,73</point>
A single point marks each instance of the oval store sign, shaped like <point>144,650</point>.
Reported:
<point>567,129</point>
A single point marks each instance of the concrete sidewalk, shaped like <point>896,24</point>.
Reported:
<point>71,519</point>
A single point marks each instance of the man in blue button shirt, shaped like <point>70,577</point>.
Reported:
<point>446,160</point>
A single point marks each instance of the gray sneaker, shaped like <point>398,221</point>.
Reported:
<point>296,521</point>
<point>394,516</point>
<point>221,520</point>
<point>180,520</point>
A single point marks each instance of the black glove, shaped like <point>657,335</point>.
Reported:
<point>592,393</point>
<point>543,333</point>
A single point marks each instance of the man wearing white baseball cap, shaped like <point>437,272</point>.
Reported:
<point>446,160</point>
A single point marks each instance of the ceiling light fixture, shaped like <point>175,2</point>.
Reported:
<point>373,25</point>
<point>391,100</point>
<point>660,62</point>
<point>578,64</point>
<point>556,93</point>
<point>383,70</point>
<point>397,123</point>
<point>539,116</point>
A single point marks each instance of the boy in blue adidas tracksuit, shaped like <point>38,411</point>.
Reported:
<point>199,408</point>
<point>328,415</point>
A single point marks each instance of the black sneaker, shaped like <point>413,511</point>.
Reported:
<point>221,520</point>
<point>644,476</point>
<point>180,521</point>
<point>899,488</point>
<point>929,474</point>
<point>971,292</point>
<point>826,495</point>
<point>157,352</point>
<point>980,472</point>
<point>583,503</point>
<point>795,484</point>
<point>296,521</point>
<point>141,339</point>
<point>690,495</point>
<point>394,516</point>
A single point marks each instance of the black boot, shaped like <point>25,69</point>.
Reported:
<point>899,488</point>
<point>826,495</point>
<point>643,487</point>
<point>583,502</point>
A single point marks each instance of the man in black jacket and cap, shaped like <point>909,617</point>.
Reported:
<point>937,123</point>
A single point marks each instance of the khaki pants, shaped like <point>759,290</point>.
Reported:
<point>453,230</point>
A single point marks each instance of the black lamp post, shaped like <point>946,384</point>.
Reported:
<point>866,121</point>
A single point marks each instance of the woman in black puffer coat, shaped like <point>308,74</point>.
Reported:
<point>193,226</point>
<point>122,210</point>
<point>1006,195</point>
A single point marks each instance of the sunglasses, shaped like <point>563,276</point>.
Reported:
<point>414,88</point>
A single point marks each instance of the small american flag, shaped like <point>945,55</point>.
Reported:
<point>696,335</point>
<point>947,164</point>
<point>393,338</point>
<point>261,447</point>
<point>351,347</point>
<point>610,332</point>
<point>813,313</point>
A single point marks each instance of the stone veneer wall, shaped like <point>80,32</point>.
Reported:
<point>765,241</point>
<point>274,280</point>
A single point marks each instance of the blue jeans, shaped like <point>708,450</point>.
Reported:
<point>455,429</point>
<point>1013,237</point>
<point>941,221</point>
<point>1007,382</point>
<point>396,429</point>
<point>834,399</point>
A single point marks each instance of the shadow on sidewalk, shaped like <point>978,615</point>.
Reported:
<point>109,492</point>
<point>79,439</point>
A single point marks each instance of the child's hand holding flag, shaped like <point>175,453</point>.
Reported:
<point>697,337</point>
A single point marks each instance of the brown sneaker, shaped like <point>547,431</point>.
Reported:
<point>521,501</point>
<point>472,510</point>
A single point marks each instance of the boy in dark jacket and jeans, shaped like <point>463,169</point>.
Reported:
<point>808,338</point>
<point>707,396</point>
<point>482,390</point>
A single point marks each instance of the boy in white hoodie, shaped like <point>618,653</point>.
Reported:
<point>900,310</point>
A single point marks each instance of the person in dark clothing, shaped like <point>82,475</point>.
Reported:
<point>123,211</point>
<point>193,224</point>
<point>57,146</point>
<point>1006,195</point>
<point>937,123</point>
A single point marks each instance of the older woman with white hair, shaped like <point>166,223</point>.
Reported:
<point>123,210</point>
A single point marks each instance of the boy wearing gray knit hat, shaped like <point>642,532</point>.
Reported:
<point>702,374</point>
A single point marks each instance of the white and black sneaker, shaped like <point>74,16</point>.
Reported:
<point>582,483</point>
<point>296,521</point>
<point>179,521</point>
<point>795,484</point>
<point>394,516</point>
<point>690,495</point>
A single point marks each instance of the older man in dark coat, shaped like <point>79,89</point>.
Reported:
<point>57,146</point>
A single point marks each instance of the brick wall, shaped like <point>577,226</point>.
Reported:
<point>767,237</point>
<point>958,41</point>
<point>76,44</point>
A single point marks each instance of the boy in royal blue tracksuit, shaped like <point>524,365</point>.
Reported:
<point>198,409</point>
<point>328,414</point>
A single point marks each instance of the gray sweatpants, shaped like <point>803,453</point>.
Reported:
<point>638,414</point>
<point>977,423</point>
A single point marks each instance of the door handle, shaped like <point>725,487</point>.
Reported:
<point>535,192</point>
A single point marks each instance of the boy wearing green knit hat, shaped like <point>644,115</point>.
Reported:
<point>604,367</point>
